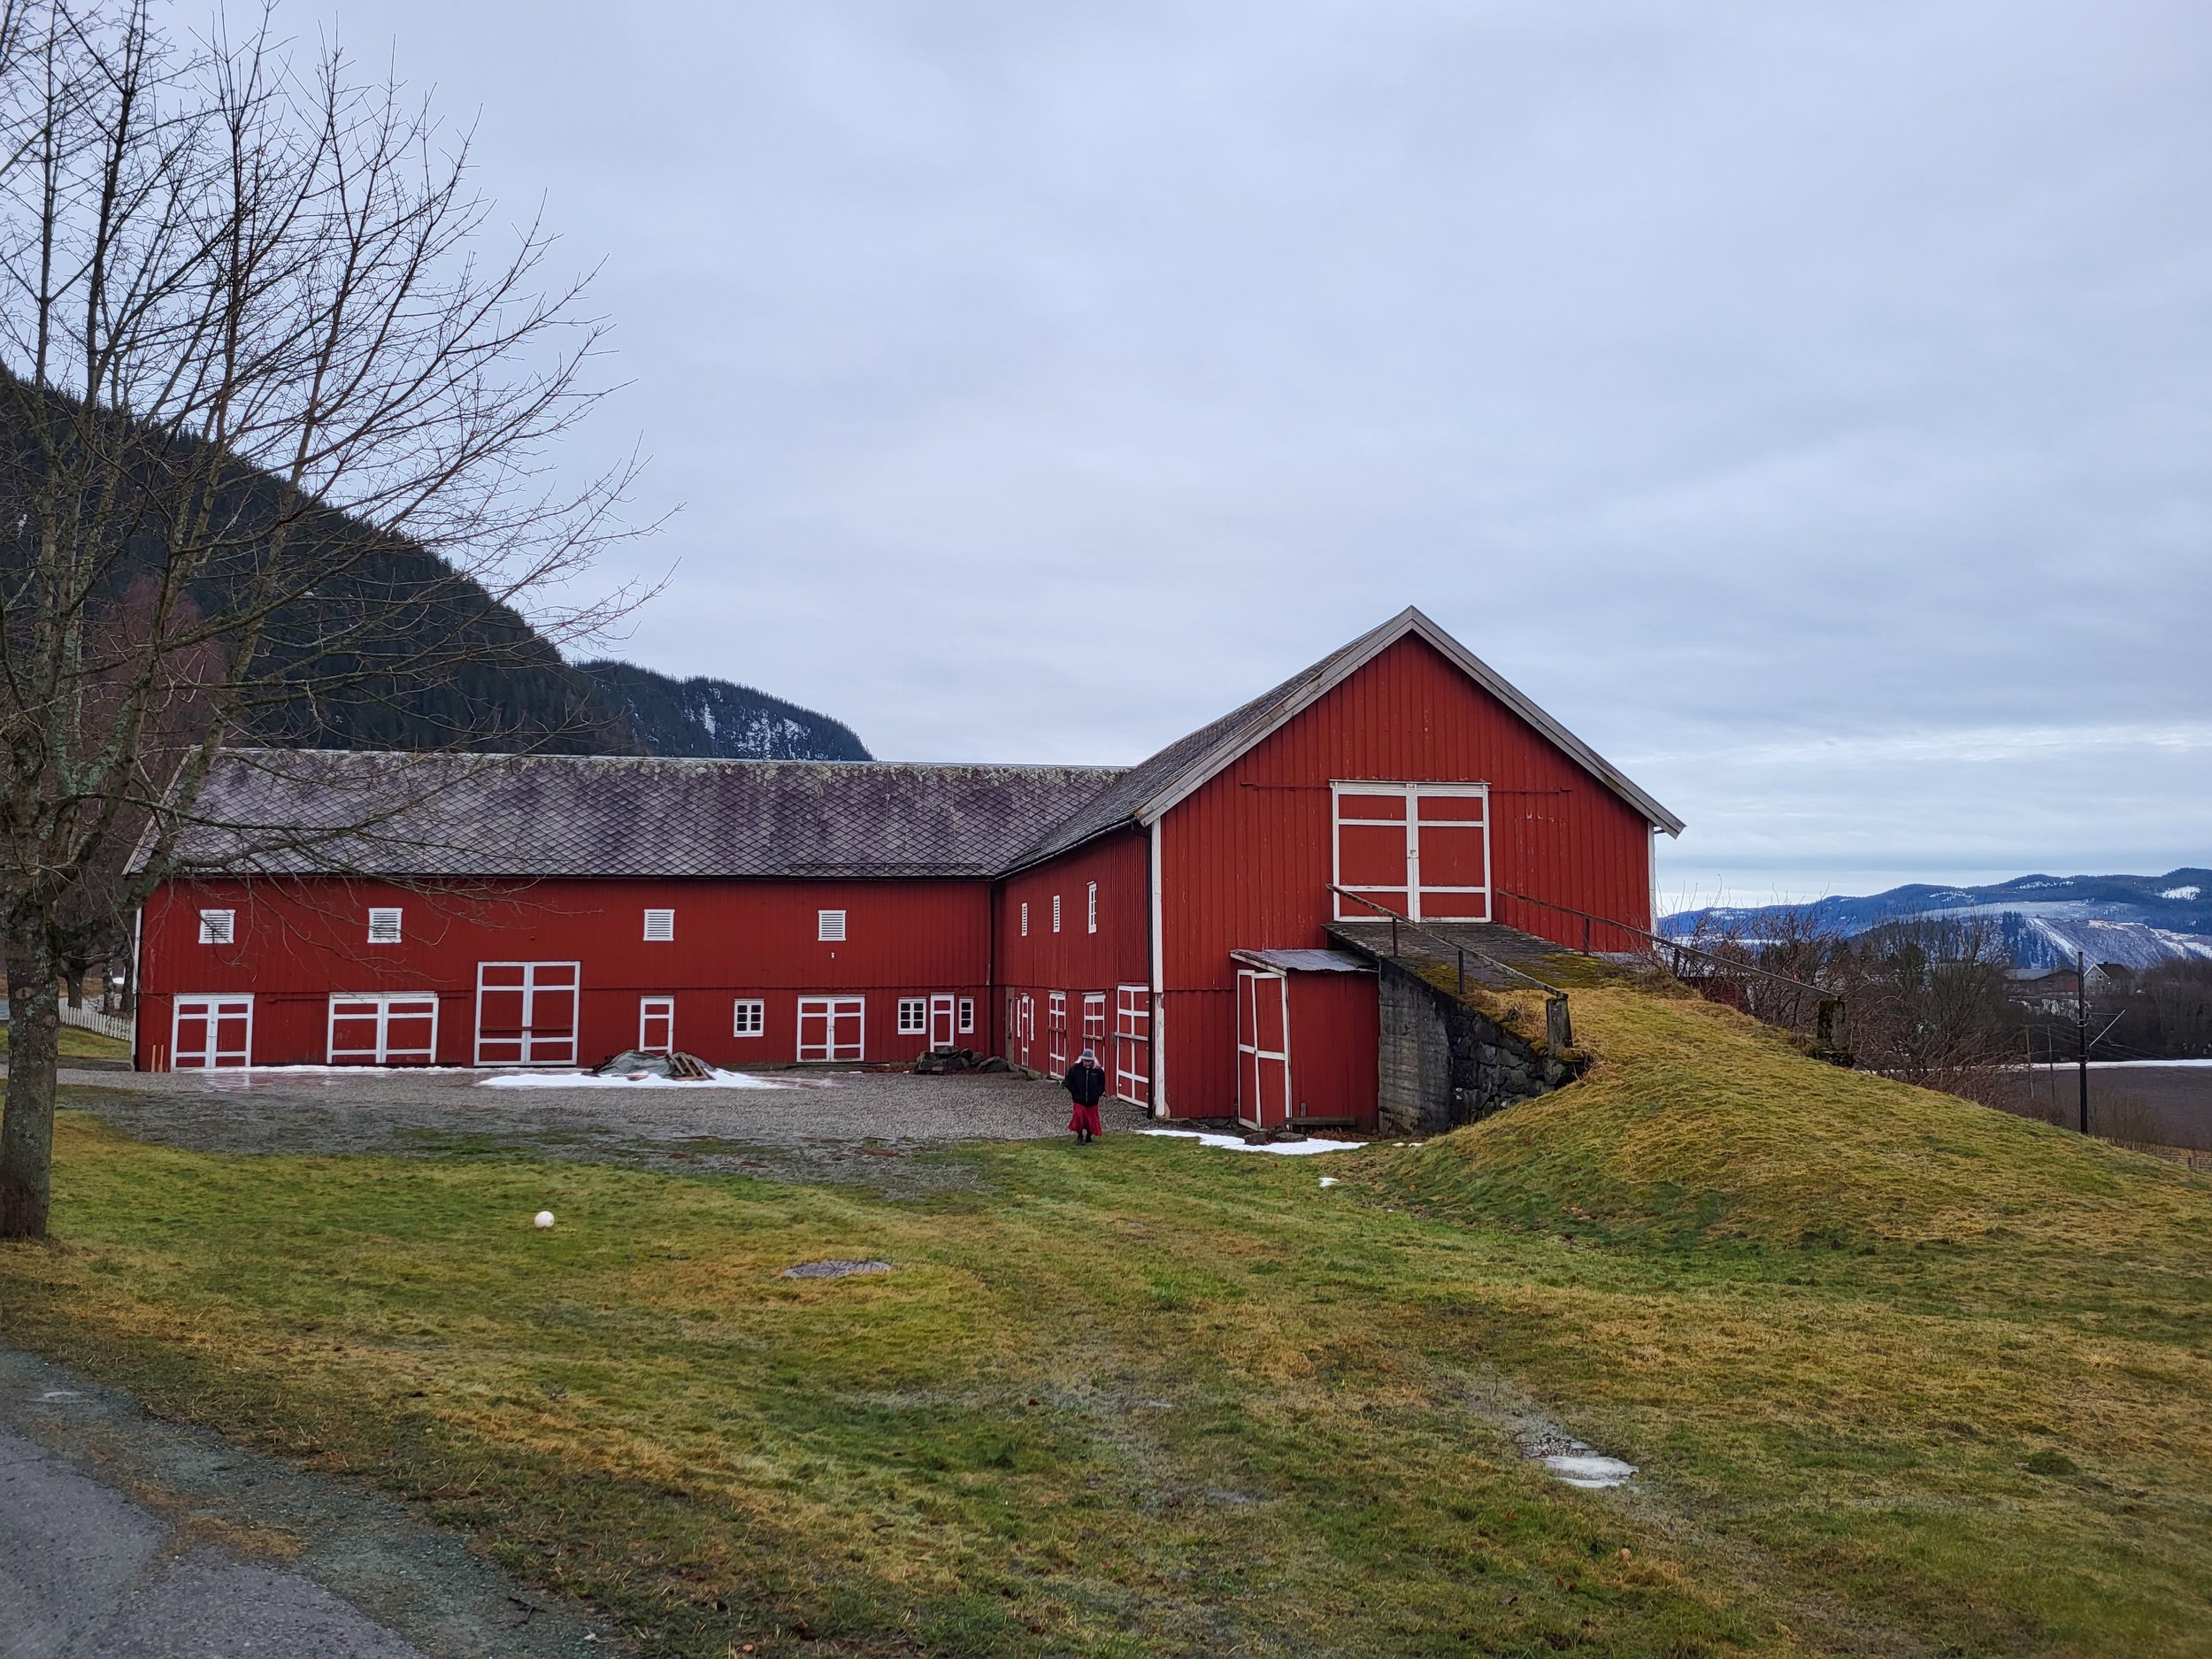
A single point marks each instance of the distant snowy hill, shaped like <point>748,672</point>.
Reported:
<point>2136,920</point>
<point>717,719</point>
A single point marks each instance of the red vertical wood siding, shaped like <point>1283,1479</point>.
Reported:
<point>1334,1022</point>
<point>297,941</point>
<point>1076,960</point>
<point>1245,859</point>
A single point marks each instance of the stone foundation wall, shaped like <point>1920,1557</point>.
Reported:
<point>1442,1063</point>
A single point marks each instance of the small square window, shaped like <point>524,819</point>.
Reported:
<point>829,926</point>
<point>1056,912</point>
<point>384,926</point>
<point>1025,918</point>
<point>217,927</point>
<point>660,924</point>
<point>1094,907</point>
<point>752,1017</point>
<point>967,1015</point>
<point>913,1016</point>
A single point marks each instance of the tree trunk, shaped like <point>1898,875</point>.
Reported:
<point>27,1128</point>
<point>75,982</point>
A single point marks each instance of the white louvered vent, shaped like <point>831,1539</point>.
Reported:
<point>384,926</point>
<point>1056,912</point>
<point>217,927</point>
<point>829,926</point>
<point>1025,918</point>
<point>660,924</point>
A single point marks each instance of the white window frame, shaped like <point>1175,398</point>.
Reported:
<point>664,922</point>
<point>219,927</point>
<point>913,1016</point>
<point>1056,912</point>
<point>211,1008</point>
<point>391,919</point>
<point>829,927</point>
<point>381,1052</point>
<point>967,1016</point>
<point>1343,910</point>
<point>748,1016</point>
<point>831,1009</point>
<point>1091,904</point>
<point>648,1006</point>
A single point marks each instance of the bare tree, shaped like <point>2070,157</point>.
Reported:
<point>275,405</point>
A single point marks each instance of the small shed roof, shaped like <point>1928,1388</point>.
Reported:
<point>1305,961</point>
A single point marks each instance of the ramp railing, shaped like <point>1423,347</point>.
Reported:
<point>1558,1023</point>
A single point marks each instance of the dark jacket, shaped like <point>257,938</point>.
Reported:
<point>1086,1083</point>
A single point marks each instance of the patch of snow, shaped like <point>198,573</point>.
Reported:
<point>1237,1143</point>
<point>1328,1181</point>
<point>1594,1471</point>
<point>2181,893</point>
<point>2114,1065</point>
<point>585,1080</point>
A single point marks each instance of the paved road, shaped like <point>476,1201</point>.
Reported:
<point>123,1538</point>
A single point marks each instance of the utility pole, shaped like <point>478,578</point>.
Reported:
<point>2081,1031</point>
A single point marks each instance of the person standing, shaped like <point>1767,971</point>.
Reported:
<point>1086,1086</point>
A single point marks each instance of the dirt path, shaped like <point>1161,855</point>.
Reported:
<point>126,1538</point>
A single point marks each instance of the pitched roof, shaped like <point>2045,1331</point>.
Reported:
<point>1147,789</point>
<point>333,811</point>
<point>337,812</point>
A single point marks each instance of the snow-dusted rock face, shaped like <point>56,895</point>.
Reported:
<point>718,719</point>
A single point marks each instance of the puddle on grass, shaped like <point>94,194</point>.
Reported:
<point>1592,1471</point>
<point>1574,1463</point>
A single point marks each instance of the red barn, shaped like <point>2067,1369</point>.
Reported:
<point>551,910</point>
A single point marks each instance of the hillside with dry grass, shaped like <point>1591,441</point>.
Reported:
<point>1899,1375</point>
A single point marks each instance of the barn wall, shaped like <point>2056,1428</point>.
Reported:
<point>299,941</point>
<point>1074,960</point>
<point>1247,858</point>
<point>1333,1027</point>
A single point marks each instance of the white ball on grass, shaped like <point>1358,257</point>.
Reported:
<point>544,1219</point>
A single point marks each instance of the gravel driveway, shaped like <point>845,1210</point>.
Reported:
<point>867,1125</point>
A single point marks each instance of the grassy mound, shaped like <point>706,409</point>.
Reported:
<point>1698,1123</point>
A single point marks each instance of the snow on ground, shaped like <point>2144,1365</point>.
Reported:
<point>586,1079</point>
<point>1237,1143</point>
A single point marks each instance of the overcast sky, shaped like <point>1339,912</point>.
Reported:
<point>1810,405</point>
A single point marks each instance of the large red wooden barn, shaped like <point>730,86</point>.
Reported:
<point>551,910</point>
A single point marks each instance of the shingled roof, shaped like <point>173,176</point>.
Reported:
<point>330,811</point>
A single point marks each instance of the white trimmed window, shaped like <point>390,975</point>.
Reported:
<point>913,1016</point>
<point>1056,912</point>
<point>1093,901</point>
<point>219,927</point>
<point>384,926</point>
<point>1025,918</point>
<point>829,926</point>
<point>660,924</point>
<point>752,1017</point>
<point>967,1015</point>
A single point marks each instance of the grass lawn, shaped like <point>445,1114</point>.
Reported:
<point>77,1043</point>
<point>1903,1376</point>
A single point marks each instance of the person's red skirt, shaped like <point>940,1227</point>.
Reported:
<point>1082,1117</point>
